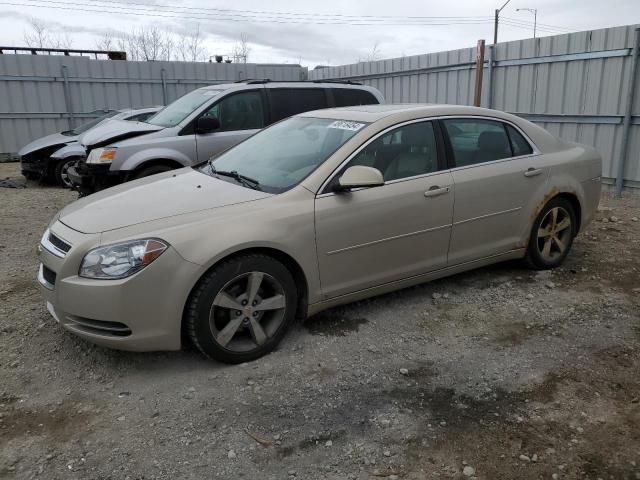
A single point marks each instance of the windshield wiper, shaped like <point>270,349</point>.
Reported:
<point>242,179</point>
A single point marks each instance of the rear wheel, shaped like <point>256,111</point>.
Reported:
<point>151,170</point>
<point>242,308</point>
<point>552,235</point>
<point>61,172</point>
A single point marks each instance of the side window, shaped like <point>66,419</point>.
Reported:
<point>404,152</point>
<point>290,101</point>
<point>346,97</point>
<point>519,145</point>
<point>239,111</point>
<point>477,141</point>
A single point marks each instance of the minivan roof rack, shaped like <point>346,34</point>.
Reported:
<point>253,81</point>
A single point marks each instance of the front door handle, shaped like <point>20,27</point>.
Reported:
<point>436,190</point>
<point>532,172</point>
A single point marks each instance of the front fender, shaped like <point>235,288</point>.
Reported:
<point>136,159</point>
<point>68,151</point>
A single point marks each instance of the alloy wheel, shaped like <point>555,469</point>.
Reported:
<point>554,234</point>
<point>247,311</point>
<point>64,174</point>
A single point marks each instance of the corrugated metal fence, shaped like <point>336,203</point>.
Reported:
<point>40,95</point>
<point>576,86</point>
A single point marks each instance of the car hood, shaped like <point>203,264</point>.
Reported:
<point>164,195</point>
<point>48,141</point>
<point>111,131</point>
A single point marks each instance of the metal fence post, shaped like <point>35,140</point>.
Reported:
<point>492,53</point>
<point>626,124</point>
<point>163,76</point>
<point>68,101</point>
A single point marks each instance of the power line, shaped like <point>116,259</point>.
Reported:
<point>293,14</point>
<point>165,13</point>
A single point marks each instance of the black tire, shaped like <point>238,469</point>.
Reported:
<point>60,176</point>
<point>224,278</point>
<point>535,257</point>
<point>151,170</point>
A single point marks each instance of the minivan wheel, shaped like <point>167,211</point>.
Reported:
<point>552,235</point>
<point>61,173</point>
<point>151,170</point>
<point>241,309</point>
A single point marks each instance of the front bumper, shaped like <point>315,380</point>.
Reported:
<point>35,166</point>
<point>88,178</point>
<point>139,313</point>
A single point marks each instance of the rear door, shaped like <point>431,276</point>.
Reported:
<point>241,114</point>
<point>496,175</point>
<point>285,102</point>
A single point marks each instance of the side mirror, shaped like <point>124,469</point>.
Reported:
<point>359,176</point>
<point>207,124</point>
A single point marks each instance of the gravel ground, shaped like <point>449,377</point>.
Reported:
<point>498,373</point>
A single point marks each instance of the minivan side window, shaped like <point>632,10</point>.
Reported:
<point>347,97</point>
<point>404,152</point>
<point>476,141</point>
<point>239,111</point>
<point>286,102</point>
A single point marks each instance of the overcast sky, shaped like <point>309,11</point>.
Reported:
<point>275,39</point>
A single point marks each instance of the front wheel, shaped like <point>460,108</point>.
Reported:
<point>552,235</point>
<point>61,173</point>
<point>241,309</point>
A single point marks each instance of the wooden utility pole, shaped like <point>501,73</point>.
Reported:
<point>479,70</point>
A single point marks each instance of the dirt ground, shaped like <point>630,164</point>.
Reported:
<point>510,373</point>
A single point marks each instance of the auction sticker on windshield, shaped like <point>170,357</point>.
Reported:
<point>345,125</point>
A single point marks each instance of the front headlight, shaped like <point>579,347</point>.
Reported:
<point>102,155</point>
<point>122,259</point>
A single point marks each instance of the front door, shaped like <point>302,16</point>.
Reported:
<point>373,236</point>
<point>240,114</point>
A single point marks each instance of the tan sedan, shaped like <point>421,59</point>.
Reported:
<point>318,210</point>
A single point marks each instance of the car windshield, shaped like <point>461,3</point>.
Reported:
<point>177,111</point>
<point>86,126</point>
<point>281,156</point>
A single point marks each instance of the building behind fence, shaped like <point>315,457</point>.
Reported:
<point>575,85</point>
<point>42,94</point>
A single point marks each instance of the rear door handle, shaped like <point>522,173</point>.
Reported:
<point>436,190</point>
<point>532,172</point>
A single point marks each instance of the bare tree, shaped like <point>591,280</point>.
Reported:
<point>40,36</point>
<point>106,42</point>
<point>190,48</point>
<point>375,53</point>
<point>241,49</point>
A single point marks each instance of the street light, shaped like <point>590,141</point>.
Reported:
<point>535,17</point>
<point>495,22</point>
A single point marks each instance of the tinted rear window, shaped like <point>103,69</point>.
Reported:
<point>347,97</point>
<point>290,101</point>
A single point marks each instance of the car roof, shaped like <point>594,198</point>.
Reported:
<point>401,111</point>
<point>284,83</point>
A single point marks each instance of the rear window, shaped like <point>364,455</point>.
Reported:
<point>347,97</point>
<point>286,102</point>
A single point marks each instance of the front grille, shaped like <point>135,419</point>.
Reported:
<point>59,243</point>
<point>49,275</point>
<point>99,327</point>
